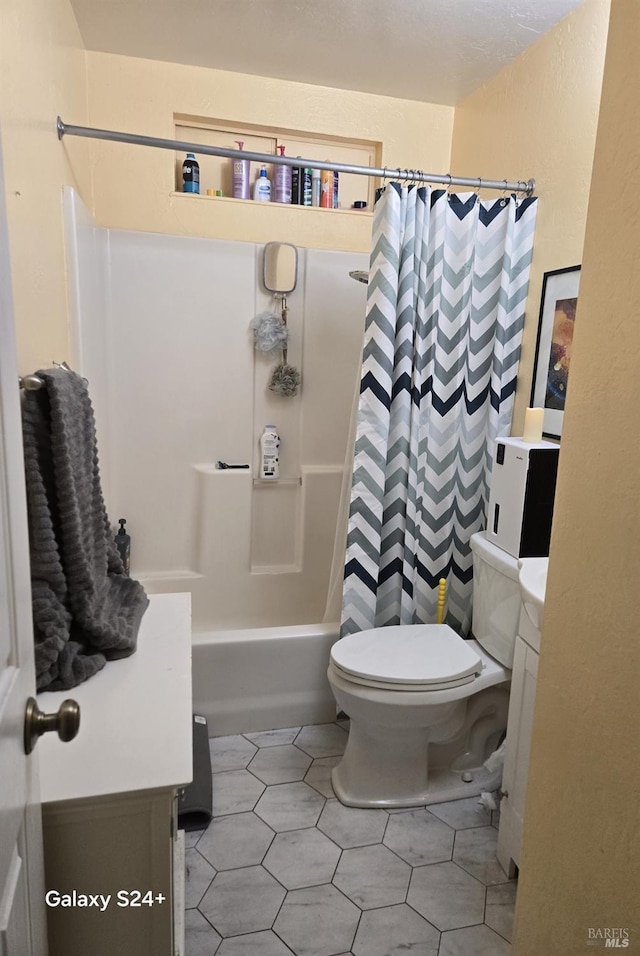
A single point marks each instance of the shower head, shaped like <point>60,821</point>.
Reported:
<point>360,276</point>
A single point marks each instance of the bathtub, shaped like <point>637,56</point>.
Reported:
<point>263,678</point>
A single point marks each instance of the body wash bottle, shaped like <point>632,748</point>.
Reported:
<point>269,445</point>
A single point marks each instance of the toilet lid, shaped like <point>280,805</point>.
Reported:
<point>410,654</point>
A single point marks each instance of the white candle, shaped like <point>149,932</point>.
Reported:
<point>533,422</point>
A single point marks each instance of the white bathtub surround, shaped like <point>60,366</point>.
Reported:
<point>303,874</point>
<point>161,329</point>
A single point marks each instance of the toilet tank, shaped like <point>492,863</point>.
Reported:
<point>496,599</point>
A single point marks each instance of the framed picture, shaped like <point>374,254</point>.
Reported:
<point>553,348</point>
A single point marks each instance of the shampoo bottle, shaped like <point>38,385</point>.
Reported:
<point>190,175</point>
<point>269,445</point>
<point>123,544</point>
<point>282,181</point>
<point>262,188</point>
<point>241,173</point>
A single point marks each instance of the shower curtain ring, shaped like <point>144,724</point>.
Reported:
<point>449,185</point>
<point>505,199</point>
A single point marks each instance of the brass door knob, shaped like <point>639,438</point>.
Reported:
<point>36,723</point>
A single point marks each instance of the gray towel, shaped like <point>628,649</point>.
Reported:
<point>85,609</point>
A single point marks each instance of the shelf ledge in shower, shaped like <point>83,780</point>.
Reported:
<point>278,481</point>
<point>195,197</point>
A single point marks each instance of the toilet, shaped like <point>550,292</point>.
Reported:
<point>428,707</point>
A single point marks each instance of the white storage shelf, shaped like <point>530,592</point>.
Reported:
<point>109,795</point>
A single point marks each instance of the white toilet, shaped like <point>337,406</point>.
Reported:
<point>427,707</point>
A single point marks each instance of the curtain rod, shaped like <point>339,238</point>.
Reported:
<point>410,175</point>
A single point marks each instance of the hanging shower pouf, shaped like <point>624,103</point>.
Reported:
<point>270,333</point>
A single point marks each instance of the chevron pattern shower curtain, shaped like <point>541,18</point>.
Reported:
<point>445,312</point>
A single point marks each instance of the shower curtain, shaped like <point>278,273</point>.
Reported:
<point>445,311</point>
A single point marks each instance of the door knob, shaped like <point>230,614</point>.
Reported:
<point>36,723</point>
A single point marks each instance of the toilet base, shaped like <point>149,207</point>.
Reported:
<point>443,785</point>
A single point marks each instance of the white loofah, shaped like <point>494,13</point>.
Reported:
<point>270,334</point>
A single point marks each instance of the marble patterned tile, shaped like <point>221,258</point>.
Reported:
<point>198,875</point>
<point>495,818</point>
<point>318,921</point>
<point>191,837</point>
<point>255,944</point>
<point>302,858</point>
<point>230,753</point>
<point>462,814</point>
<point>350,826</point>
<point>419,838</point>
<point>273,738</point>
<point>200,938</point>
<point>318,775</point>
<point>322,740</point>
<point>475,851</point>
<point>290,806</point>
<point>394,931</point>
<point>242,901</point>
<point>235,791</point>
<point>372,876</point>
<point>283,764</point>
<point>239,839</point>
<point>447,896</point>
<point>473,941</point>
<point>498,913</point>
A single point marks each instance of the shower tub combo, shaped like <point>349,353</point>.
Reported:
<point>263,678</point>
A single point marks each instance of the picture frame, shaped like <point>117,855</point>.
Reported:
<point>558,304</point>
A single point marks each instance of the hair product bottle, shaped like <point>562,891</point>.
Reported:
<point>307,186</point>
<point>241,175</point>
<point>296,184</point>
<point>282,181</point>
<point>336,180</point>
<point>269,445</point>
<point>190,175</point>
<point>326,189</point>
<point>262,188</point>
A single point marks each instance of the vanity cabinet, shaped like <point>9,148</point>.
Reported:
<point>109,797</point>
<point>518,743</point>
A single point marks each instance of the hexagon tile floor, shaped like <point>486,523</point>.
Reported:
<point>284,868</point>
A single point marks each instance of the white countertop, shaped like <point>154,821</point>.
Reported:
<point>135,716</point>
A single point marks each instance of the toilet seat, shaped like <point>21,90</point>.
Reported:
<point>413,657</point>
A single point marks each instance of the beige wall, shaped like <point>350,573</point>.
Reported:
<point>134,186</point>
<point>537,119</point>
<point>581,862</point>
<point>42,73</point>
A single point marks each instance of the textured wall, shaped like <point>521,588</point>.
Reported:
<point>537,118</point>
<point>581,860</point>
<point>133,186</point>
<point>42,73</point>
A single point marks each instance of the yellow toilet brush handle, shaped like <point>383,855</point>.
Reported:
<point>442,591</point>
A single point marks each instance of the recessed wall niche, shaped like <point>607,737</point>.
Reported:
<point>215,172</point>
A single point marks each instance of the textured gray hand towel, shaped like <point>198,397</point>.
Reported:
<point>85,609</point>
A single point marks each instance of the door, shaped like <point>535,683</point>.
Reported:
<point>22,907</point>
